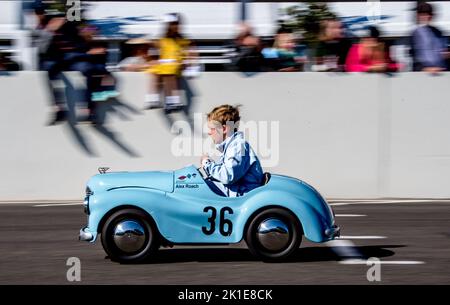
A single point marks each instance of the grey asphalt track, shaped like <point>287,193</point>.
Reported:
<point>412,241</point>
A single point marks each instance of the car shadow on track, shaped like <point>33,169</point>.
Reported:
<point>307,254</point>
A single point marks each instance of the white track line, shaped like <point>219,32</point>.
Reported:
<point>389,200</point>
<point>361,237</point>
<point>339,204</point>
<point>347,250</point>
<point>374,262</point>
<point>355,202</point>
<point>344,248</point>
<point>350,215</point>
<point>56,205</point>
<point>36,202</point>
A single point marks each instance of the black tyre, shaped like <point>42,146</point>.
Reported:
<point>273,234</point>
<point>129,236</point>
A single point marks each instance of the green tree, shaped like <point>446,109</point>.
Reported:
<point>306,18</point>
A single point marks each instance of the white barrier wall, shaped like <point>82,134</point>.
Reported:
<point>350,135</point>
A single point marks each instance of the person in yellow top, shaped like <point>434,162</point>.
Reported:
<point>173,49</point>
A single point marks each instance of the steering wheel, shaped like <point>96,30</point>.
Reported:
<point>202,173</point>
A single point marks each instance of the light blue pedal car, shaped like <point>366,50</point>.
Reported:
<point>137,212</point>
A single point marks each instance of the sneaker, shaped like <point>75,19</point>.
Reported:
<point>100,96</point>
<point>173,103</point>
<point>152,101</point>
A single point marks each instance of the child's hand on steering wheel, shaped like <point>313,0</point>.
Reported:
<point>203,159</point>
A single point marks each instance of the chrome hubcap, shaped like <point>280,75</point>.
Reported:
<point>129,236</point>
<point>273,234</point>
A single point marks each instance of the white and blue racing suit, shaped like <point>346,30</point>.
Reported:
<point>238,170</point>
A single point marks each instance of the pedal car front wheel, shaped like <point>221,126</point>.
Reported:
<point>129,236</point>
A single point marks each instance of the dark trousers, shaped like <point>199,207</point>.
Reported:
<point>93,72</point>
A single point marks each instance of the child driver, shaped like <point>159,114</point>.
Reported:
<point>238,170</point>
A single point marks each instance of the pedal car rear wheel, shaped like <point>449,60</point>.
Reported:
<point>274,234</point>
<point>129,236</point>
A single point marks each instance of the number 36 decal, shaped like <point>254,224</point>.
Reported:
<point>223,222</point>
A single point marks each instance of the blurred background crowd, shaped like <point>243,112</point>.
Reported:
<point>308,37</point>
<point>305,37</point>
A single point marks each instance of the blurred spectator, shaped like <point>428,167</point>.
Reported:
<point>139,59</point>
<point>248,48</point>
<point>332,48</point>
<point>69,46</point>
<point>49,39</point>
<point>42,35</point>
<point>173,48</point>
<point>101,83</point>
<point>283,57</point>
<point>429,46</point>
<point>370,55</point>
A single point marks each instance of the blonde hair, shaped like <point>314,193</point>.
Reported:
<point>225,114</point>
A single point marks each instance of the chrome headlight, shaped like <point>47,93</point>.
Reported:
<point>86,200</point>
<point>89,192</point>
<point>86,205</point>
